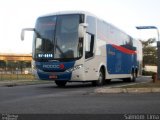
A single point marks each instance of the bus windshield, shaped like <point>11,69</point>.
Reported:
<point>56,38</point>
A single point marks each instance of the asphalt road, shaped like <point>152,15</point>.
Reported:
<point>75,98</point>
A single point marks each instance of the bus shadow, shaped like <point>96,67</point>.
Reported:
<point>77,85</point>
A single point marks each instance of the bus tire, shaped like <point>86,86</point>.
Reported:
<point>130,79</point>
<point>60,83</point>
<point>101,79</point>
<point>133,77</point>
<point>107,81</point>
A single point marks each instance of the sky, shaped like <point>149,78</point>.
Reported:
<point>124,14</point>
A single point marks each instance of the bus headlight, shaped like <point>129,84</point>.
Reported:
<point>74,68</point>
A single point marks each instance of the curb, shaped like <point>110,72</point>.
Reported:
<point>21,83</point>
<point>127,90</point>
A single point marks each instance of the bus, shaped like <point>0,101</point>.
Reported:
<point>77,46</point>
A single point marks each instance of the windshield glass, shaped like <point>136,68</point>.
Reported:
<point>56,37</point>
<point>45,28</point>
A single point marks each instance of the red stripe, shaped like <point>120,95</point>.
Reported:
<point>124,50</point>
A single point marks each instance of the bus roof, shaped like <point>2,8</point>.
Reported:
<point>83,12</point>
<point>68,12</point>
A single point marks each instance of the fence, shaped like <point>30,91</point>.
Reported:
<point>16,76</point>
<point>15,70</point>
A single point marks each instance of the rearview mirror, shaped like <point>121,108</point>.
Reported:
<point>23,32</point>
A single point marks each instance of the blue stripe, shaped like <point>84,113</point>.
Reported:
<point>47,70</point>
<point>119,62</point>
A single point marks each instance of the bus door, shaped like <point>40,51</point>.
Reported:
<point>89,57</point>
<point>89,47</point>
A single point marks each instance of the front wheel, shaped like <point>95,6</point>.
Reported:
<point>101,79</point>
<point>60,83</point>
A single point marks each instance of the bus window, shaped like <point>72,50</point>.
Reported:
<point>89,46</point>
<point>91,25</point>
<point>91,30</point>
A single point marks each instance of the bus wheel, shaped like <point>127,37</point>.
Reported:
<point>130,79</point>
<point>60,83</point>
<point>101,79</point>
<point>133,77</point>
<point>108,81</point>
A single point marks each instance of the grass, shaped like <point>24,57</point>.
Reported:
<point>20,79</point>
<point>145,85</point>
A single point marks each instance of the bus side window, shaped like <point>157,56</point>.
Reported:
<point>89,46</point>
<point>91,31</point>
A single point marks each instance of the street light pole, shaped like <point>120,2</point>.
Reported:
<point>158,57</point>
<point>158,34</point>
<point>158,47</point>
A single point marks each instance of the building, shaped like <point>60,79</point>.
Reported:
<point>15,57</point>
<point>15,62</point>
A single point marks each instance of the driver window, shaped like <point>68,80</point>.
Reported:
<point>91,30</point>
<point>89,46</point>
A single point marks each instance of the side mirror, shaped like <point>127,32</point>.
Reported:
<point>22,34</point>
<point>82,29</point>
<point>23,31</point>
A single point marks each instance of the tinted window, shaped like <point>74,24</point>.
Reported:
<point>91,25</point>
<point>56,37</point>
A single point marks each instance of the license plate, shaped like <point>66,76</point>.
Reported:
<point>53,76</point>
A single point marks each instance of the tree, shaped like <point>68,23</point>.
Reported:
<point>149,52</point>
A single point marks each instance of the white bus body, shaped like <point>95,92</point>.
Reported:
<point>78,46</point>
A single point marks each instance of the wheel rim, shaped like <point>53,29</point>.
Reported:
<point>100,77</point>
